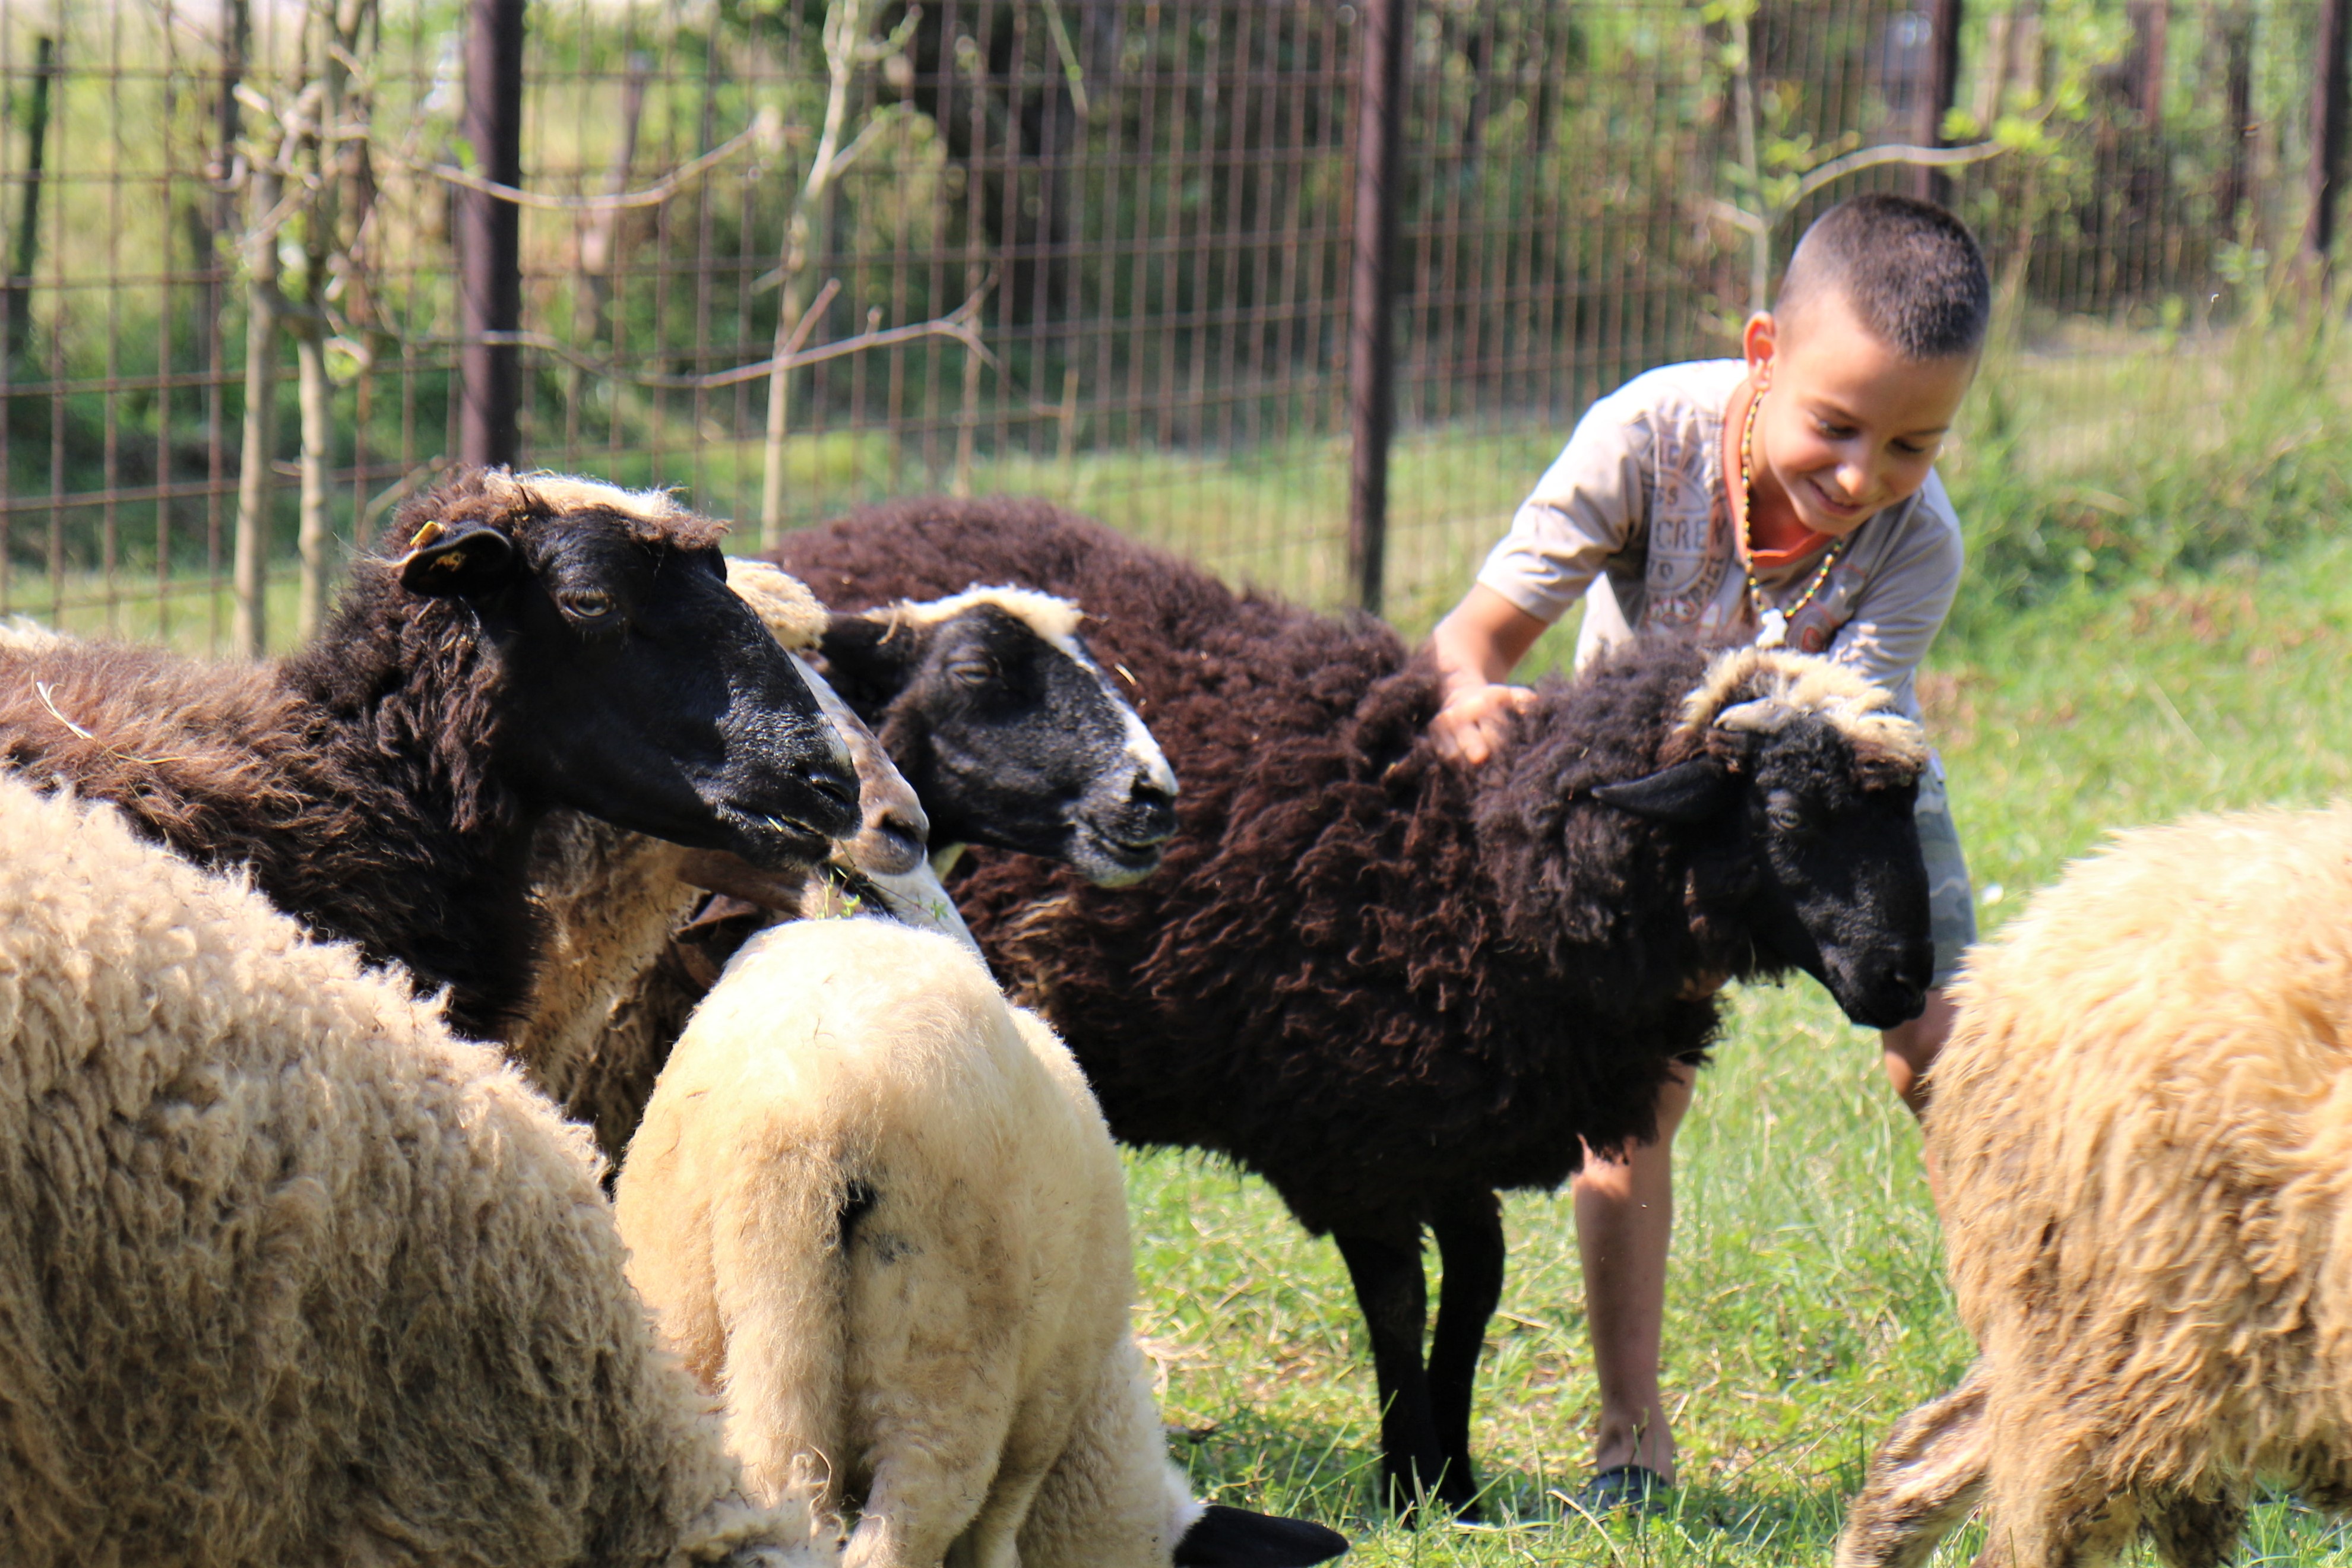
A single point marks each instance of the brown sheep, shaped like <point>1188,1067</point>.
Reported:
<point>2143,1128</point>
<point>609,900</point>
<point>524,645</point>
<point>1388,985</point>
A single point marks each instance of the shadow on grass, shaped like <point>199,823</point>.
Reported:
<point>1306,1468</point>
<point>1322,1471</point>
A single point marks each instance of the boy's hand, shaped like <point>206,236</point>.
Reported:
<point>1474,648</point>
<point>1470,726</point>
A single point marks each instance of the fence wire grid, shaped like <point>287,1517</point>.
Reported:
<point>1103,248</point>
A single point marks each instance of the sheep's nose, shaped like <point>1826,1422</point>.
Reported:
<point>1158,810</point>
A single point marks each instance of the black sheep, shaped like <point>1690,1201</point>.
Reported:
<point>1010,735</point>
<point>1392,986</point>
<point>526,645</point>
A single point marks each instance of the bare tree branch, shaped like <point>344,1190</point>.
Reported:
<point>1872,157</point>
<point>767,130</point>
<point>962,325</point>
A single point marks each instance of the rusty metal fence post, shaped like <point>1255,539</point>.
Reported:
<point>1931,184</point>
<point>1372,293</point>
<point>488,238</point>
<point>2331,108</point>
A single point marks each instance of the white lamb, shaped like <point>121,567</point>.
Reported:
<point>291,1275</point>
<point>876,1206</point>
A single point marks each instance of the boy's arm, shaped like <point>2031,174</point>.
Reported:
<point>1478,644</point>
<point>1582,511</point>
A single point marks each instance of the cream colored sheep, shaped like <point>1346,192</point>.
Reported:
<point>876,1206</point>
<point>289,1274</point>
<point>2144,1126</point>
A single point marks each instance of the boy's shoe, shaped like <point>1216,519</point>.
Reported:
<point>1624,1488</point>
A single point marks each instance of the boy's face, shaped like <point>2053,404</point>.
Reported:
<point>1851,426</point>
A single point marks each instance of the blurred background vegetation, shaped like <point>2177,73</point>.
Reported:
<point>1149,201</point>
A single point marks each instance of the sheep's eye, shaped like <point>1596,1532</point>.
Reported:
<point>586,606</point>
<point>972,672</point>
<point>1787,817</point>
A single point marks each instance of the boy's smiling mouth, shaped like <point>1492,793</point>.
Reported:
<point>1828,501</point>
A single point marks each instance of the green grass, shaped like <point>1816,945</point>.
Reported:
<point>1807,1307</point>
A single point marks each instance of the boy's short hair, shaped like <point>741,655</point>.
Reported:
<point>1911,270</point>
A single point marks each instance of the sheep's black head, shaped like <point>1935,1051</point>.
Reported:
<point>894,833</point>
<point>1802,787</point>
<point>633,685</point>
<point>1011,734</point>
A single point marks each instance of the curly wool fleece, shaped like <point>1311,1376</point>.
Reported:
<point>289,1273</point>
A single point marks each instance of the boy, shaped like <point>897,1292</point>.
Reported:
<point>1786,500</point>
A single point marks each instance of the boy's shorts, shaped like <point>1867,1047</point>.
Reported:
<point>1951,902</point>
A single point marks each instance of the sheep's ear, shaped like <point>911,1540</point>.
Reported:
<point>867,657</point>
<point>1689,791</point>
<point>1223,1537</point>
<point>448,563</point>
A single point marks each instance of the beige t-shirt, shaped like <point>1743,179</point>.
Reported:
<point>1634,514</point>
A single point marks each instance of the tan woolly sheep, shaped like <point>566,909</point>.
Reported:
<point>877,1207</point>
<point>289,1274</point>
<point>2144,1127</point>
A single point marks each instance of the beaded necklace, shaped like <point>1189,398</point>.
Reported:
<point>1771,623</point>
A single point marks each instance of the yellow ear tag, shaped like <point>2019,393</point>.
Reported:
<point>432,530</point>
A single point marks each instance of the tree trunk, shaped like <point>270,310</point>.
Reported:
<point>248,624</point>
<point>311,539</point>
<point>334,29</point>
<point>807,237</point>
<point>2331,108</point>
<point>16,292</point>
<point>2237,114</point>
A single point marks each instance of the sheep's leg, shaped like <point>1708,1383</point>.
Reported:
<point>2196,1532</point>
<point>1469,1231</point>
<point>2048,1503</point>
<point>1922,1483</point>
<point>1038,1436</point>
<point>1395,1301</point>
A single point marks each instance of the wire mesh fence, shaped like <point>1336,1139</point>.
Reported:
<point>1094,250</point>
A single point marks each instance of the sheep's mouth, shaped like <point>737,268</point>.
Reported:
<point>1112,858</point>
<point>774,843</point>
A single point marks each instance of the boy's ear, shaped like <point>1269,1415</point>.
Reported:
<point>464,562</point>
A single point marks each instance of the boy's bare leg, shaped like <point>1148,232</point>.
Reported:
<point>1624,1217</point>
<point>1911,1049</point>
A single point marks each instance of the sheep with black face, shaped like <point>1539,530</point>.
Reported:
<point>1392,988</point>
<point>1012,735</point>
<point>611,900</point>
<point>527,644</point>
